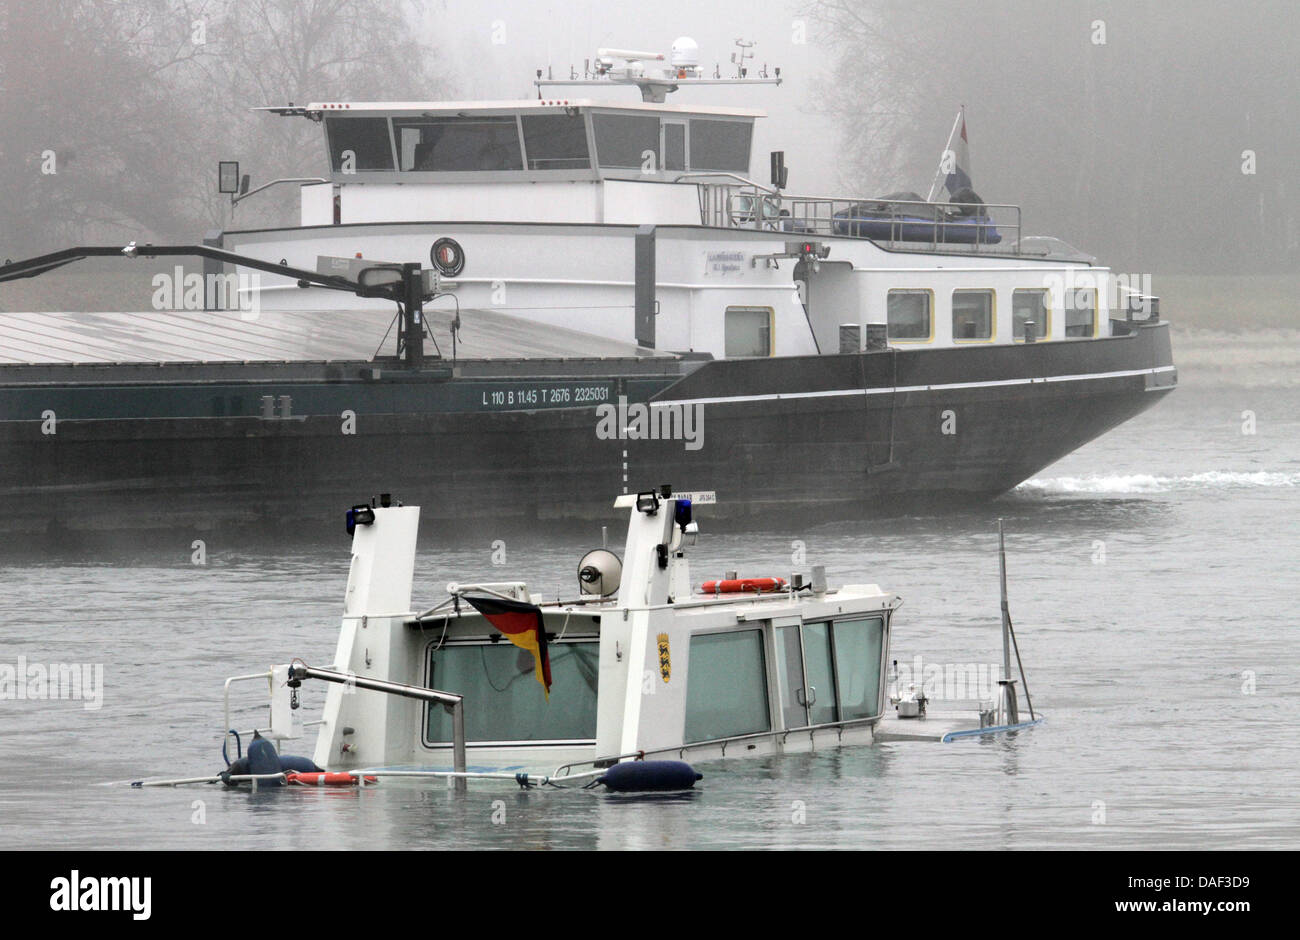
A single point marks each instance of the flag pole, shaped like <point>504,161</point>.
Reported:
<point>940,174</point>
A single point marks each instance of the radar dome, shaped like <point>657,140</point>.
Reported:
<point>686,52</point>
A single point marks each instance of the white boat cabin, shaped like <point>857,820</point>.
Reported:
<point>659,667</point>
<point>639,223</point>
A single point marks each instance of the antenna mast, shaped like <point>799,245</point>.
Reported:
<point>656,77</point>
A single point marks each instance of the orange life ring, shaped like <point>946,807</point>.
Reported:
<point>744,586</point>
<point>325,780</point>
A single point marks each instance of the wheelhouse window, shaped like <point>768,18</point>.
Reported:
<point>829,672</point>
<point>1081,312</point>
<point>972,315</point>
<point>556,142</point>
<point>504,701</point>
<point>624,140</point>
<point>748,332</point>
<point>726,693</point>
<point>359,144</point>
<point>910,315</point>
<point>674,146</point>
<point>1031,305</point>
<point>456,144</point>
<point>720,145</point>
<point>820,693</point>
<point>859,650</point>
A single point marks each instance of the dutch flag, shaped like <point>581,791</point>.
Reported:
<point>954,165</point>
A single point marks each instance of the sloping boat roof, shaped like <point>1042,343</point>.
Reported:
<point>280,335</point>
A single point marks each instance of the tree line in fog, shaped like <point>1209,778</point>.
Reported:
<point>1159,136</point>
<point>113,115</point>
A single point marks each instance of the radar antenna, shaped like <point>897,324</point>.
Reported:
<point>655,76</point>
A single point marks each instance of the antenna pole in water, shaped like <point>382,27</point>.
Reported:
<point>1007,705</point>
<point>1009,633</point>
<point>1006,611</point>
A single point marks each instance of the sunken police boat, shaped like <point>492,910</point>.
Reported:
<point>585,288</point>
<point>640,671</point>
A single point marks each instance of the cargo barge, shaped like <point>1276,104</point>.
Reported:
<point>604,297</point>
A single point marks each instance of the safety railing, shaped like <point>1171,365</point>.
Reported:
<point>728,200</point>
<point>455,704</point>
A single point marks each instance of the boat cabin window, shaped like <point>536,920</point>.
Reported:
<point>859,658</point>
<point>1081,312</point>
<point>972,315</point>
<point>458,144</point>
<point>674,145</point>
<point>819,693</point>
<point>627,140</point>
<point>910,314</point>
<point>748,331</point>
<point>556,142</point>
<point>1030,304</point>
<point>726,692</point>
<point>830,672</point>
<point>720,145</point>
<point>504,702</point>
<point>359,144</point>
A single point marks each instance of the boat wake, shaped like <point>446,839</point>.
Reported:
<point>1144,483</point>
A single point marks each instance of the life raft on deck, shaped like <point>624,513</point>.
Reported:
<point>743,586</point>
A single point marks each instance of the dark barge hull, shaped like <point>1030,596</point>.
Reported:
<point>146,455</point>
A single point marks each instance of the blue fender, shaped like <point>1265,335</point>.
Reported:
<point>643,776</point>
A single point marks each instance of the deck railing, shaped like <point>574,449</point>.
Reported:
<point>728,200</point>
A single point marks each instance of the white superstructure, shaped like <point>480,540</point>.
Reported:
<point>641,222</point>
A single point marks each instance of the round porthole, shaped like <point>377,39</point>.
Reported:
<point>447,257</point>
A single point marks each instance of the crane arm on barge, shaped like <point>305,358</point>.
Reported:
<point>407,284</point>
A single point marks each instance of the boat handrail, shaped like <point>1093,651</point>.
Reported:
<point>225,728</point>
<point>722,174</point>
<point>237,198</point>
<point>730,200</point>
<point>452,701</point>
<point>716,742</point>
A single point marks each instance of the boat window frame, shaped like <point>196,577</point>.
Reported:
<point>881,677</point>
<point>434,645</point>
<point>993,314</point>
<point>684,123</point>
<point>598,159</point>
<point>331,121</point>
<point>751,308</point>
<point>911,341</point>
<point>418,120</point>
<point>1094,326</point>
<point>1046,334</point>
<point>763,630</point>
<point>582,115</point>
<point>832,622</point>
<point>746,122</point>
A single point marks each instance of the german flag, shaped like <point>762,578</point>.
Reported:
<point>522,625</point>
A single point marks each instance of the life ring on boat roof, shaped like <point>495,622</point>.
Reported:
<point>743,586</point>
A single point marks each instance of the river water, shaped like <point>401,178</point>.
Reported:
<point>1154,583</point>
